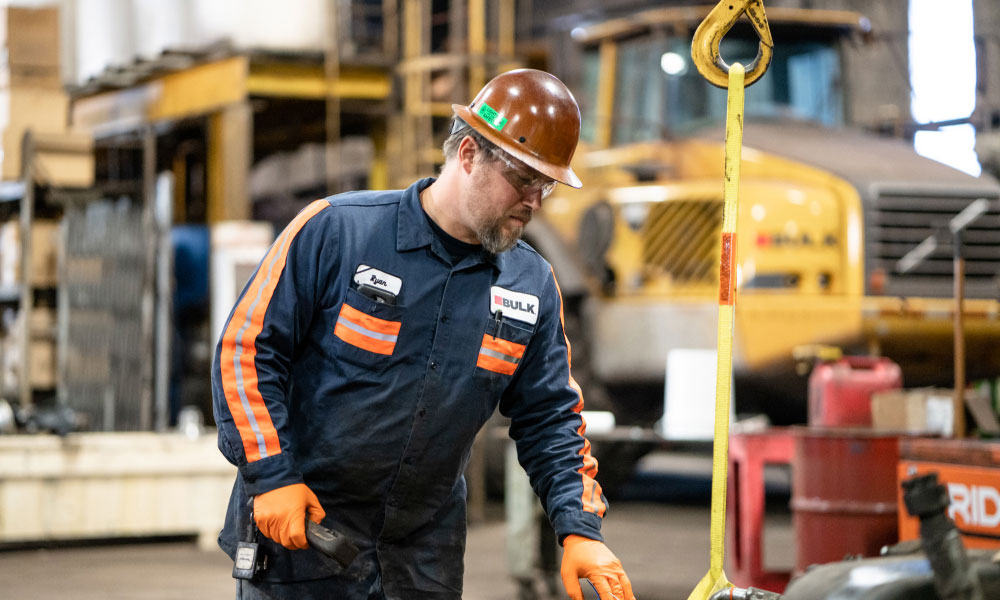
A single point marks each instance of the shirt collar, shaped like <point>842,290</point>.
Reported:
<point>413,231</point>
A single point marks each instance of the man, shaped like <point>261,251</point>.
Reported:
<point>377,337</point>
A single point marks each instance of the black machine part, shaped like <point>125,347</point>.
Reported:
<point>886,578</point>
<point>942,570</point>
<point>330,543</point>
<point>928,500</point>
<point>749,593</point>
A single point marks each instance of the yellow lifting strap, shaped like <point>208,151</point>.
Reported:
<point>705,53</point>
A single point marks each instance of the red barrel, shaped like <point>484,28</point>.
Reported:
<point>843,494</point>
<point>840,392</point>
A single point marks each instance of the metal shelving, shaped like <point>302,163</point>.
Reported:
<point>30,293</point>
<point>11,191</point>
<point>10,294</point>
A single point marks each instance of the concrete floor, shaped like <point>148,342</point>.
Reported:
<point>663,544</point>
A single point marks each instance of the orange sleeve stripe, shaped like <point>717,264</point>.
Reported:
<point>228,373</point>
<point>591,497</point>
<point>369,322</point>
<point>239,351</point>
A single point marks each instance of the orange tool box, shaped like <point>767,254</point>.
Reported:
<point>971,471</point>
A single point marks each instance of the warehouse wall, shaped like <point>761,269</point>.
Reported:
<point>987,29</point>
<point>878,84</point>
<point>67,18</point>
<point>101,33</point>
<point>987,115</point>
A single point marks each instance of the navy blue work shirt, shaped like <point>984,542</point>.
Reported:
<point>358,360</point>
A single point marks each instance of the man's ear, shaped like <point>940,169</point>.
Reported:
<point>466,155</point>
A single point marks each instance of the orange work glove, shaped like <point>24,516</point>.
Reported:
<point>588,558</point>
<point>281,514</point>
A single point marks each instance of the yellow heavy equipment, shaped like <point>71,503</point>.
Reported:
<point>827,245</point>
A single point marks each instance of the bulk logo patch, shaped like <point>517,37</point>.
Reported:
<point>365,275</point>
<point>514,305</point>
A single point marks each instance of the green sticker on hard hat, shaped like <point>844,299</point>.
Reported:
<point>495,119</point>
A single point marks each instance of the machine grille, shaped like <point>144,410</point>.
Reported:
<point>899,220</point>
<point>681,239</point>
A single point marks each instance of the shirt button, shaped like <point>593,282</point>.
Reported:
<point>422,412</point>
<point>444,318</point>
<point>408,460</point>
<point>393,502</point>
<point>434,366</point>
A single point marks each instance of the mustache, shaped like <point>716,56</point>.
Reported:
<point>524,214</point>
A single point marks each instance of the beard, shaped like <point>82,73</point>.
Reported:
<point>493,227</point>
<point>493,235</point>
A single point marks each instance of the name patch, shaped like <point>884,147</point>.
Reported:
<point>366,275</point>
<point>515,305</point>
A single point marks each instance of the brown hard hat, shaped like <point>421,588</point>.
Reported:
<point>531,115</point>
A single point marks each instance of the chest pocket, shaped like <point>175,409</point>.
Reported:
<point>500,354</point>
<point>366,331</point>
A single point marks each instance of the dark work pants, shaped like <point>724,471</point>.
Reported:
<point>305,590</point>
<point>428,564</point>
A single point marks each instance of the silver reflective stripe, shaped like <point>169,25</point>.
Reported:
<point>237,367</point>
<point>499,355</point>
<point>366,332</point>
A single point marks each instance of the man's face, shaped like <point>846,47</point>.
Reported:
<point>498,209</point>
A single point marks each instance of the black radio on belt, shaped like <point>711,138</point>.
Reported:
<point>250,560</point>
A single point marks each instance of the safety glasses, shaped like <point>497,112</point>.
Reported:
<point>525,183</point>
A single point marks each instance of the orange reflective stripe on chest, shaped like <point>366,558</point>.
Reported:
<point>499,355</point>
<point>365,331</point>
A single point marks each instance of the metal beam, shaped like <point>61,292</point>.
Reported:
<point>191,92</point>
<point>309,82</point>
<point>229,155</point>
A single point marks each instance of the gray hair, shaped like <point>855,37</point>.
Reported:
<point>458,130</point>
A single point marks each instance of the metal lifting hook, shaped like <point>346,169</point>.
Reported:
<point>705,46</point>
